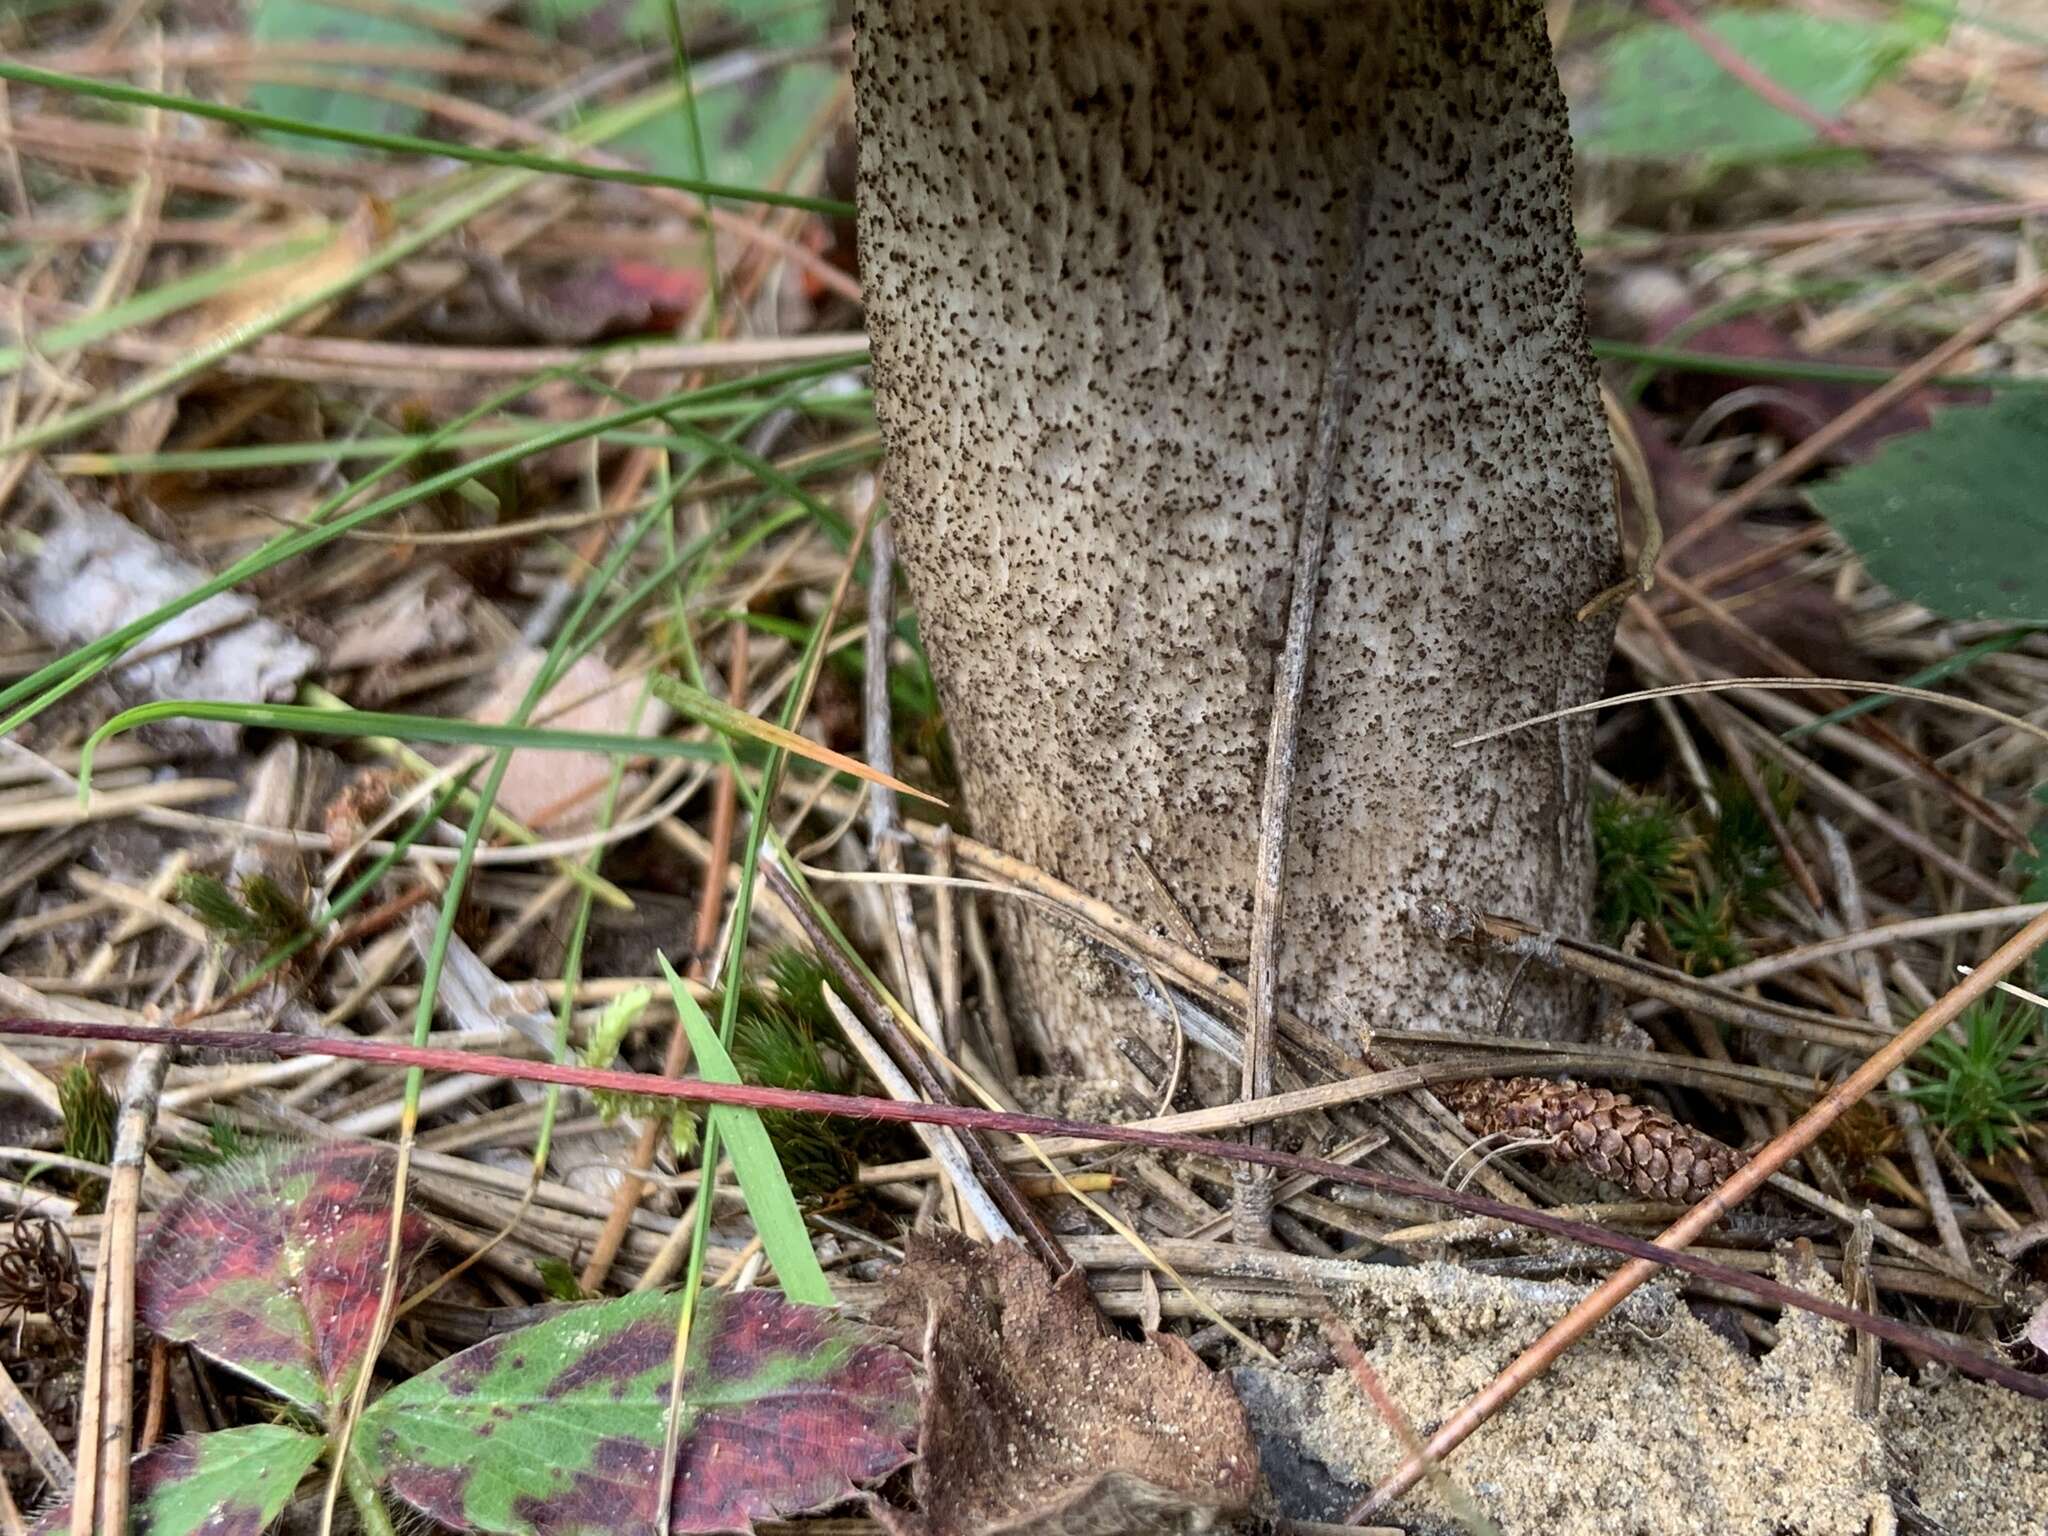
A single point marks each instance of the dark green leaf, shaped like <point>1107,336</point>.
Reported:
<point>1954,518</point>
<point>1662,98</point>
<point>336,106</point>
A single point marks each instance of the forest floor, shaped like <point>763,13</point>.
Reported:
<point>479,454</point>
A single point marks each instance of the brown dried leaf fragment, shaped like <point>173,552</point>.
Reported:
<point>1607,1133</point>
<point>1039,1418</point>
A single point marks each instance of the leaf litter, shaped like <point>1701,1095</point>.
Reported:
<point>1636,1424</point>
<point>1038,1417</point>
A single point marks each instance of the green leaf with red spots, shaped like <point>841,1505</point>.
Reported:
<point>273,1266</point>
<point>229,1484</point>
<point>556,1430</point>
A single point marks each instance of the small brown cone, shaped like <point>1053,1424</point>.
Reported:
<point>1606,1133</point>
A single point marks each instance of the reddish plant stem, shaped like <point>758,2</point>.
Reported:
<point>962,1117</point>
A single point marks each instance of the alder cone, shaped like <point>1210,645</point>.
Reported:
<point>1606,1133</point>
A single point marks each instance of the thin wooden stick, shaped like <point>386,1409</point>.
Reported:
<point>1911,1124</point>
<point>117,1282</point>
<point>1646,978</point>
<point>884,820</point>
<point>1532,1362</point>
<point>943,1144</point>
<point>85,1484</point>
<point>885,836</point>
<point>21,1418</point>
<point>1251,1200</point>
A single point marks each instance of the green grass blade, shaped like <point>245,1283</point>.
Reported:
<point>1655,357</point>
<point>169,299</point>
<point>784,1238</point>
<point>76,666</point>
<point>443,215</point>
<point>211,354</point>
<point>319,721</point>
<point>573,870</point>
<point>290,455</point>
<point>409,144</point>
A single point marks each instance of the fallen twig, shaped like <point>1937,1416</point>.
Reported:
<point>1803,1132</point>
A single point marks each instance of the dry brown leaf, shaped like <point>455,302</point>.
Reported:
<point>559,792</point>
<point>1040,1418</point>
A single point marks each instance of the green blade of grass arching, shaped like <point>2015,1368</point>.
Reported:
<point>573,870</point>
<point>327,521</point>
<point>440,218</point>
<point>409,144</point>
<point>51,682</point>
<point>312,720</point>
<point>308,719</point>
<point>784,1237</point>
<point>693,128</point>
<point>1927,677</point>
<point>292,455</point>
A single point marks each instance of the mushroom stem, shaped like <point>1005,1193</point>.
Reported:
<point>1105,247</point>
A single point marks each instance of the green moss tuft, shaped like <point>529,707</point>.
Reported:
<point>260,913</point>
<point>1691,894</point>
<point>1640,844</point>
<point>1988,1090</point>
